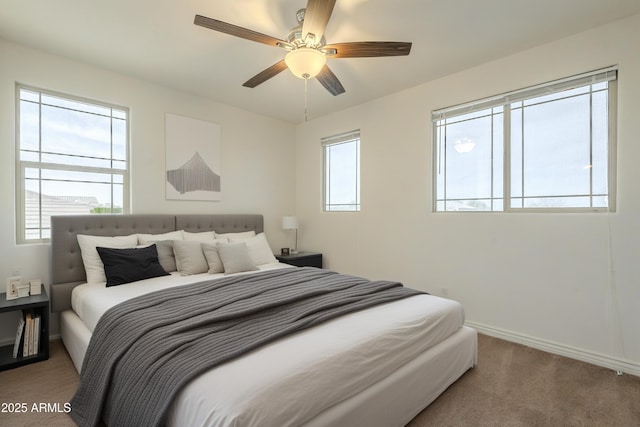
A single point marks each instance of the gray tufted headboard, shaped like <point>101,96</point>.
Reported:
<point>67,269</point>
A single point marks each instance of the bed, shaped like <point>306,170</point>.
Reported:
<point>376,366</point>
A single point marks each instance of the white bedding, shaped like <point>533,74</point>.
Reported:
<point>294,380</point>
<point>91,301</point>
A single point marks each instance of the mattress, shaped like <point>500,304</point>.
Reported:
<point>297,379</point>
<point>91,301</point>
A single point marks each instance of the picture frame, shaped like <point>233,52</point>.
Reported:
<point>13,283</point>
<point>284,251</point>
<point>192,159</point>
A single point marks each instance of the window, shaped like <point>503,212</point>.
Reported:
<point>72,159</point>
<point>342,172</point>
<point>548,147</point>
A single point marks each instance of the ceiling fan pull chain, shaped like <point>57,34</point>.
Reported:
<point>306,79</point>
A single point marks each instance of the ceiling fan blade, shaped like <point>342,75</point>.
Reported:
<point>265,75</point>
<point>317,17</point>
<point>237,31</point>
<point>368,49</point>
<point>330,81</point>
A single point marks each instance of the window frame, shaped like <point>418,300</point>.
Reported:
<point>343,138</point>
<point>505,100</point>
<point>22,165</point>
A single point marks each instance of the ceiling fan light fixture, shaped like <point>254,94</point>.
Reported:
<point>305,62</point>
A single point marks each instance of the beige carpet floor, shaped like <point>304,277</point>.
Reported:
<point>512,385</point>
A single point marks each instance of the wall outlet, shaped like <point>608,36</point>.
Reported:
<point>444,292</point>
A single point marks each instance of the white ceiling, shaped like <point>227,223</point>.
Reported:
<point>157,41</point>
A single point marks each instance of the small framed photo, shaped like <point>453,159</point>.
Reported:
<point>284,251</point>
<point>13,283</point>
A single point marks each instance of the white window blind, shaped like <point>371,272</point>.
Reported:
<point>545,147</point>
<point>589,78</point>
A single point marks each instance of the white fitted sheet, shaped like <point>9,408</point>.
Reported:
<point>295,380</point>
<point>91,301</point>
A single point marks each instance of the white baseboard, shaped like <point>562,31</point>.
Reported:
<point>605,361</point>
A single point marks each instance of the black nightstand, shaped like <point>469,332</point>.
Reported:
<point>302,259</point>
<point>39,305</point>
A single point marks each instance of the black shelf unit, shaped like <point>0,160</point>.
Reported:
<point>302,259</point>
<point>39,304</point>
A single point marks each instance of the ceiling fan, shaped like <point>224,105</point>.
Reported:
<point>307,49</point>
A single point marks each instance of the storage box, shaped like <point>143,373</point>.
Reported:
<point>35,288</point>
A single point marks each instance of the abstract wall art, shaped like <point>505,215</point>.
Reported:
<point>192,159</point>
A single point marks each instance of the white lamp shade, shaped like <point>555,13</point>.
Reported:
<point>305,62</point>
<point>290,223</point>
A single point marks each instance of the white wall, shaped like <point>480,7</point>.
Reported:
<point>257,152</point>
<point>542,279</point>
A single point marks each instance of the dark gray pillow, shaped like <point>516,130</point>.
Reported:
<point>166,256</point>
<point>130,265</point>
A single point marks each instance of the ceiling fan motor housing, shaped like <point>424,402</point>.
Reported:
<point>295,34</point>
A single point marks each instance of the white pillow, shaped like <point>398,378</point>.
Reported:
<point>145,239</point>
<point>93,265</point>
<point>189,257</point>
<point>213,258</point>
<point>205,235</point>
<point>235,257</point>
<point>240,235</point>
<point>259,249</point>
